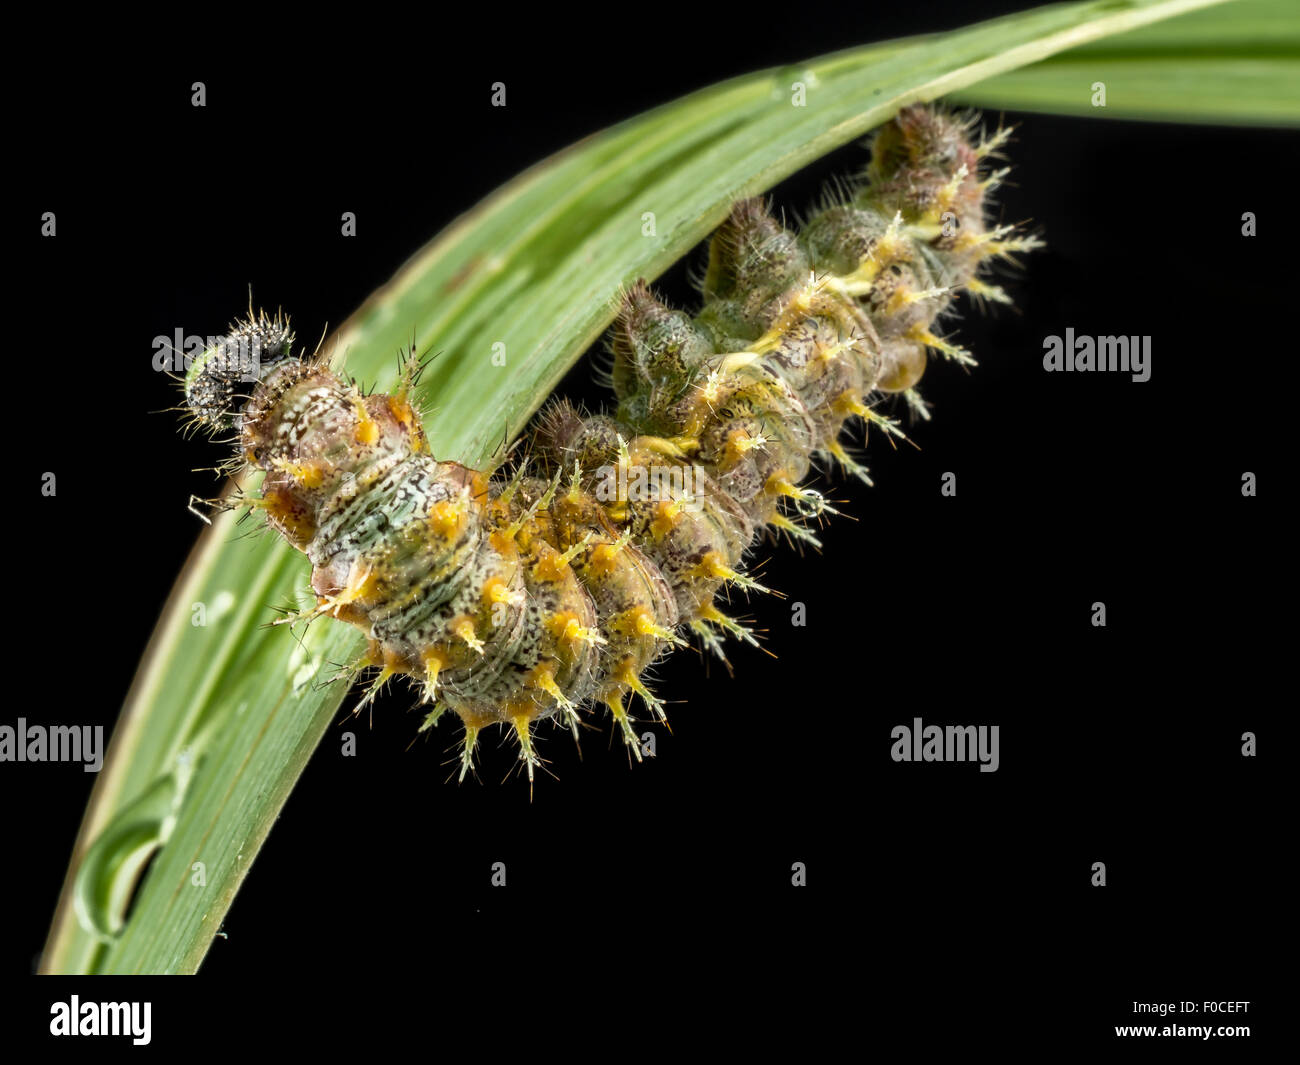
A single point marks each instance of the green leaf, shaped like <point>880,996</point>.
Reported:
<point>1238,63</point>
<point>222,718</point>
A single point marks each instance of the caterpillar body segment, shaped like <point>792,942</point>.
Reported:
<point>509,602</point>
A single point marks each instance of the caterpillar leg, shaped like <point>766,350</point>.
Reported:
<point>614,700</point>
<point>386,674</point>
<point>711,641</point>
<point>527,751</point>
<point>468,742</point>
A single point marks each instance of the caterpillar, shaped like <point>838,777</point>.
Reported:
<point>512,600</point>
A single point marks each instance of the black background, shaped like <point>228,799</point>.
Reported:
<point>939,899</point>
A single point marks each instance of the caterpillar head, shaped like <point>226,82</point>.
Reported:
<point>217,382</point>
